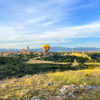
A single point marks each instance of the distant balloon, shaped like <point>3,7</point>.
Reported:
<point>46,48</point>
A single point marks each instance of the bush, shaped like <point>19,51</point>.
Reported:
<point>91,67</point>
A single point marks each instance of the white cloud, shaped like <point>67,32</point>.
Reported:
<point>90,44</point>
<point>38,22</point>
<point>57,36</point>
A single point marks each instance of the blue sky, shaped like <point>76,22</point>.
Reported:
<point>67,23</point>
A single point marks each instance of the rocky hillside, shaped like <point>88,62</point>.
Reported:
<point>68,85</point>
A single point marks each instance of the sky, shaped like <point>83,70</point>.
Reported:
<point>60,23</point>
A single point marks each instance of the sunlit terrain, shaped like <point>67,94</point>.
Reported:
<point>77,85</point>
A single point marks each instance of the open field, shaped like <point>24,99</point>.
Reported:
<point>94,63</point>
<point>83,84</point>
<point>32,61</point>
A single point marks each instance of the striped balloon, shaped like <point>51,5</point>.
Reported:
<point>46,48</point>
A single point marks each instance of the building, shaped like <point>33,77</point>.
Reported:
<point>4,54</point>
<point>37,53</point>
<point>9,53</point>
<point>28,49</point>
<point>25,51</point>
<point>80,54</point>
<point>75,63</point>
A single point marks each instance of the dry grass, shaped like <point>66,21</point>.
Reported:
<point>94,63</point>
<point>37,84</point>
<point>32,61</point>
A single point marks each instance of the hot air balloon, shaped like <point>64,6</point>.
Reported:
<point>46,48</point>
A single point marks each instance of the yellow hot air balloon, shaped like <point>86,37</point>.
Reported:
<point>46,48</point>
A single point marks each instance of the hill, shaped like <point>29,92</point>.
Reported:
<point>64,49</point>
<point>68,85</point>
<point>57,49</point>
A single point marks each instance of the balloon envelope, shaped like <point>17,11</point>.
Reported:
<point>46,48</point>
